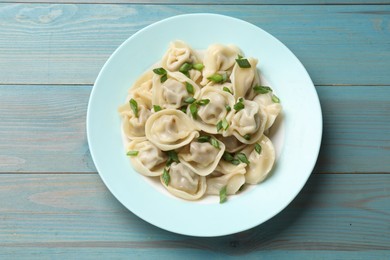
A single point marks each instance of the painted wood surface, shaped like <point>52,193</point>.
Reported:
<point>63,215</point>
<point>43,129</point>
<point>69,43</point>
<point>209,2</point>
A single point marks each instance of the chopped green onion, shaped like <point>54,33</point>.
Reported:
<point>190,88</point>
<point>160,71</point>
<point>214,142</point>
<point>219,126</point>
<point>203,102</point>
<point>185,67</point>
<point>227,157</point>
<point>228,108</point>
<point>239,105</point>
<point>183,109</point>
<point>258,148</point>
<point>275,99</point>
<point>225,124</point>
<point>166,177</point>
<point>156,108</point>
<point>223,195</point>
<point>132,153</point>
<point>235,162</point>
<point>203,139</point>
<point>242,158</point>
<point>163,78</point>
<point>243,63</point>
<point>261,89</point>
<point>227,90</point>
<point>189,100</point>
<point>215,78</point>
<point>194,110</point>
<point>134,106</point>
<point>198,66</point>
<point>172,157</point>
<point>247,137</point>
<point>241,100</point>
<point>224,77</point>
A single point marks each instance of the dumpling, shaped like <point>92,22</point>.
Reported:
<point>260,165</point>
<point>202,158</point>
<point>178,53</point>
<point>243,79</point>
<point>219,58</point>
<point>170,129</point>
<point>248,124</point>
<point>232,144</point>
<point>173,92</point>
<point>209,115</point>
<point>184,183</point>
<point>142,89</point>
<point>134,127</point>
<point>225,167</point>
<point>271,108</point>
<point>150,161</point>
<point>232,181</point>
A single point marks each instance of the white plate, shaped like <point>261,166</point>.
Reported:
<point>297,140</point>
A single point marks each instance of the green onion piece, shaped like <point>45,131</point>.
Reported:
<point>132,153</point>
<point>219,126</point>
<point>227,90</point>
<point>198,66</point>
<point>243,63</point>
<point>194,110</point>
<point>183,109</point>
<point>228,108</point>
<point>235,162</point>
<point>223,195</point>
<point>156,108</point>
<point>172,157</point>
<point>227,157</point>
<point>203,102</point>
<point>242,158</point>
<point>261,89</point>
<point>258,148</point>
<point>224,77</point>
<point>214,142</point>
<point>225,124</point>
<point>163,78</point>
<point>203,139</point>
<point>134,106</point>
<point>166,177</point>
<point>275,99</point>
<point>241,100</point>
<point>215,78</point>
<point>238,106</point>
<point>160,71</point>
<point>247,137</point>
<point>190,88</point>
<point>185,67</point>
<point>189,100</point>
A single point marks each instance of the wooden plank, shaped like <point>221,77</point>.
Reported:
<point>69,43</point>
<point>208,2</point>
<point>64,215</point>
<point>43,129</point>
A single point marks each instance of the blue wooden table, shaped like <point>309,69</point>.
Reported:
<point>53,203</point>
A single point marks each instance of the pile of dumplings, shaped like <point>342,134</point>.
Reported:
<point>197,120</point>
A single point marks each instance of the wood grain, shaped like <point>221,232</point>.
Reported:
<point>69,43</point>
<point>43,129</point>
<point>209,2</point>
<point>62,215</point>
